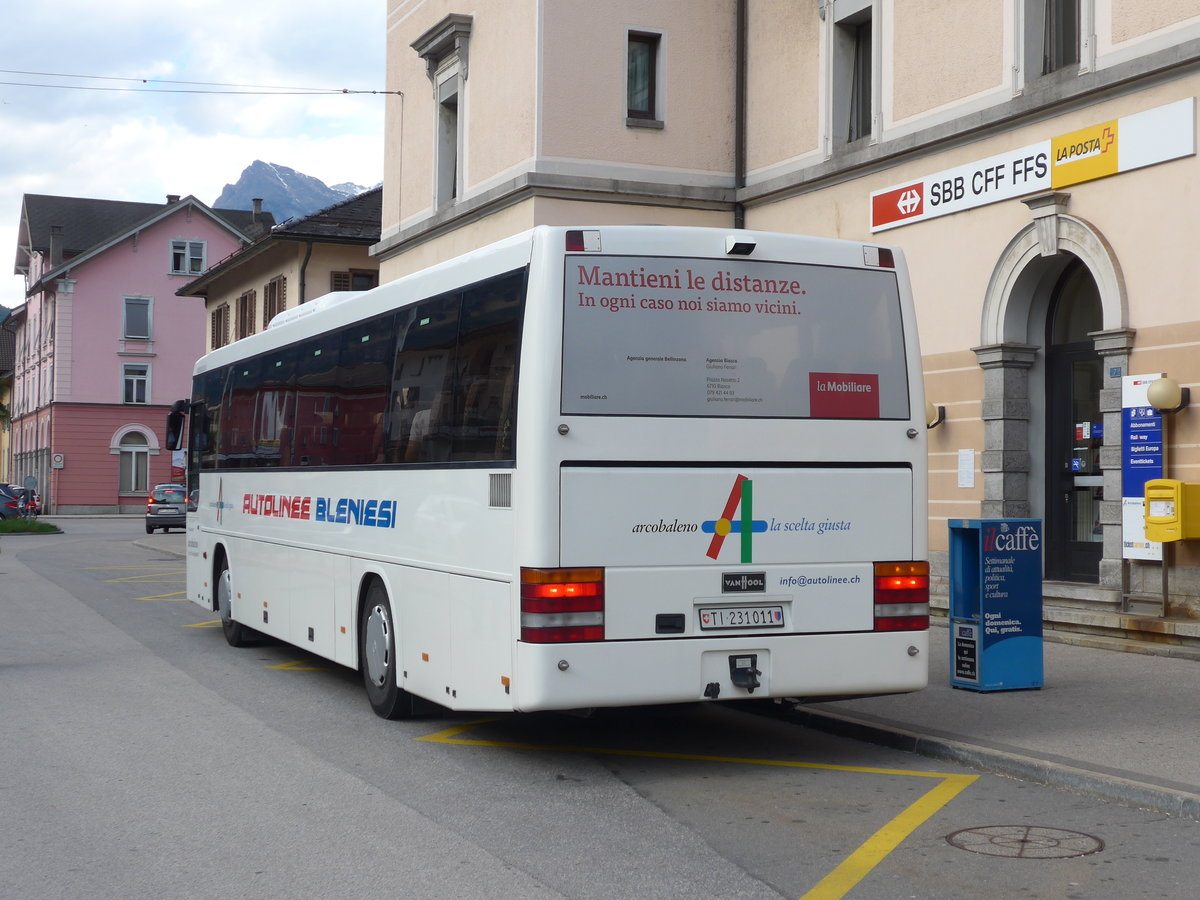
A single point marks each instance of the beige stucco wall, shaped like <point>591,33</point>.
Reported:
<point>1134,18</point>
<point>540,211</point>
<point>943,51</point>
<point>394,151</point>
<point>497,107</point>
<point>325,259</point>
<point>502,92</point>
<point>783,77</point>
<point>583,118</point>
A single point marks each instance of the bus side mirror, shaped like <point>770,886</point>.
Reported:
<point>175,423</point>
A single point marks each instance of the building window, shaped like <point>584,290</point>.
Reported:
<point>137,383</point>
<point>353,280</point>
<point>448,142</point>
<point>246,305</point>
<point>1052,33</point>
<point>219,331</point>
<point>641,79</point>
<point>444,47</point>
<point>274,298</point>
<point>134,453</point>
<point>137,319</point>
<point>187,257</point>
<point>853,73</point>
<point>1060,35</point>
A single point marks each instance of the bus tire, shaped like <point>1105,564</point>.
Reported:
<point>236,634</point>
<point>377,653</point>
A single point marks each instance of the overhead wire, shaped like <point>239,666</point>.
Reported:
<point>240,89</point>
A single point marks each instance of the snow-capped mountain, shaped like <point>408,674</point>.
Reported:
<point>285,192</point>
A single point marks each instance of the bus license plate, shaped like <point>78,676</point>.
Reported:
<point>741,617</point>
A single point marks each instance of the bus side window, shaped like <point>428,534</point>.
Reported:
<point>238,415</point>
<point>423,370</point>
<point>274,413</point>
<point>488,354</point>
<point>363,373</point>
<point>316,402</point>
<point>206,417</point>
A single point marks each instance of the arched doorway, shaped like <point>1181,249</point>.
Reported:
<point>1074,428</point>
<point>1054,345</point>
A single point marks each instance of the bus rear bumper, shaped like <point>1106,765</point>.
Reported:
<point>636,673</point>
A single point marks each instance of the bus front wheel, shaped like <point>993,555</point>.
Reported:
<point>377,652</point>
<point>236,634</point>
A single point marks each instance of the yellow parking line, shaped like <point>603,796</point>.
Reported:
<point>173,597</point>
<point>850,871</point>
<point>120,568</point>
<point>297,666</point>
<point>212,623</point>
<point>449,737</point>
<point>148,578</point>
<point>859,864</point>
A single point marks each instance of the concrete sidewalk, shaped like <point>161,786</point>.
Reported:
<point>1118,725</point>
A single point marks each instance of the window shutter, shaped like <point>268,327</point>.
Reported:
<point>339,281</point>
<point>220,326</point>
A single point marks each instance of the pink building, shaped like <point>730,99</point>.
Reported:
<point>104,345</point>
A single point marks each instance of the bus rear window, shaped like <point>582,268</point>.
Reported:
<point>731,338</point>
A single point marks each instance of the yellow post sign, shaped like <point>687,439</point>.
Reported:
<point>1084,155</point>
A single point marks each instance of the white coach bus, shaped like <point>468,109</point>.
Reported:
<point>579,467</point>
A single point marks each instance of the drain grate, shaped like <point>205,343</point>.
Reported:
<point>1025,842</point>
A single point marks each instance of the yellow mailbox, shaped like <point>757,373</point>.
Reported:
<point>1172,510</point>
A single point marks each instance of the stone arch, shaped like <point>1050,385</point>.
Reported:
<point>1010,289</point>
<point>114,444</point>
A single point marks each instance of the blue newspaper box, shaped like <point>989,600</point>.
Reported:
<point>996,604</point>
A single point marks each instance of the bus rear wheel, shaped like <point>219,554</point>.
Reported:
<point>236,634</point>
<point>377,652</point>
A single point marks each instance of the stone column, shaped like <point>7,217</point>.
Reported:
<point>1114,347</point>
<point>1006,410</point>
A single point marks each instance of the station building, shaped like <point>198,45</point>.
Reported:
<point>1035,160</point>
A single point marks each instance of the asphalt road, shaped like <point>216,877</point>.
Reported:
<point>143,757</point>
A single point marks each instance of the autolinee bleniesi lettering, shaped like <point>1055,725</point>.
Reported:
<point>343,510</point>
<point>356,511</point>
<point>277,505</point>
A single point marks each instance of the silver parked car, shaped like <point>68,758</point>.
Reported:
<point>167,508</point>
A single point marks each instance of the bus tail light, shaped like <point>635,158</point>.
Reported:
<point>583,241</point>
<point>562,605</point>
<point>901,596</point>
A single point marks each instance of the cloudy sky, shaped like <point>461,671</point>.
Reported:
<point>136,141</point>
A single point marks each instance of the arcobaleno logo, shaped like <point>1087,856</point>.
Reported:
<point>745,525</point>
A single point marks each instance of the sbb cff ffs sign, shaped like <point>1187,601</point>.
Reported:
<point>976,184</point>
<point>1097,151</point>
<point>907,202</point>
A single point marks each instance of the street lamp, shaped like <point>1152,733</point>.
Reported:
<point>1166,396</point>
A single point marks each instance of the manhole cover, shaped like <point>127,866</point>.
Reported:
<point>1025,842</point>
